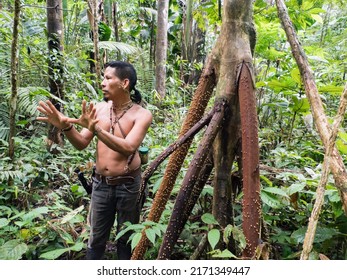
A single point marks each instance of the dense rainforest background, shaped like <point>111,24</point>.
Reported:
<point>43,206</point>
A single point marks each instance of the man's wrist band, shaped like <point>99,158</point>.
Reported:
<point>67,128</point>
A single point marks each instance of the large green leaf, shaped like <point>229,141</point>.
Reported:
<point>135,239</point>
<point>271,200</point>
<point>213,237</point>
<point>54,254</point>
<point>209,219</point>
<point>150,233</point>
<point>277,191</point>
<point>321,235</point>
<point>12,250</point>
<point>4,222</point>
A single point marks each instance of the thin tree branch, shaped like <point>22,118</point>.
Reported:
<point>312,225</point>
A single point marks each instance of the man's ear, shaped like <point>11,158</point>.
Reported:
<point>126,83</point>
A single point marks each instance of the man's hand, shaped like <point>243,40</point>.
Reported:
<point>52,115</point>
<point>88,117</point>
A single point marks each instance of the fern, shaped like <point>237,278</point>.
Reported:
<point>5,175</point>
<point>28,100</point>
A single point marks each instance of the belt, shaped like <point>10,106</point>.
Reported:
<point>120,179</point>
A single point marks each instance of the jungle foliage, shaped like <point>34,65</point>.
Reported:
<point>43,211</point>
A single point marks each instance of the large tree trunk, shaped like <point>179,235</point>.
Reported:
<point>161,47</point>
<point>14,79</point>
<point>234,51</point>
<point>55,62</point>
<point>336,165</point>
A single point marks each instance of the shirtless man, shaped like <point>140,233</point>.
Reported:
<point>120,126</point>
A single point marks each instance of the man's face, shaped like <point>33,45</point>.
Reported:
<point>111,84</point>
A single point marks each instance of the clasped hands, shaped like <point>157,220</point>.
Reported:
<point>56,118</point>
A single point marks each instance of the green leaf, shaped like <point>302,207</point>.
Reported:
<point>135,240</point>
<point>277,191</point>
<point>300,104</point>
<point>321,235</point>
<point>342,147</point>
<point>4,222</point>
<point>127,228</point>
<point>295,74</point>
<point>267,181</point>
<point>239,236</point>
<point>332,89</point>
<point>12,250</point>
<point>343,135</point>
<point>213,237</point>
<point>54,254</point>
<point>317,18</point>
<point>270,200</point>
<point>294,188</point>
<point>225,254</point>
<point>209,219</point>
<point>150,233</point>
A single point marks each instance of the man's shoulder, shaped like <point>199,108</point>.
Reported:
<point>143,112</point>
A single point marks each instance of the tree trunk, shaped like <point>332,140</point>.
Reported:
<point>14,80</point>
<point>92,14</point>
<point>197,53</point>
<point>55,63</point>
<point>336,165</point>
<point>233,50</point>
<point>161,47</point>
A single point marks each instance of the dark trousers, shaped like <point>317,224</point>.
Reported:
<point>107,202</point>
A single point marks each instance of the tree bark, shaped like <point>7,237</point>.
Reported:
<point>196,110</point>
<point>92,14</point>
<point>161,47</point>
<point>55,64</point>
<point>250,162</point>
<point>14,80</point>
<point>234,47</point>
<point>336,165</point>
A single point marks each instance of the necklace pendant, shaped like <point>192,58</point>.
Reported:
<point>111,130</point>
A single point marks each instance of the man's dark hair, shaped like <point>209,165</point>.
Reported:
<point>125,70</point>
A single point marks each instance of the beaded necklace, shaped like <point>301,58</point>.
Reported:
<point>124,107</point>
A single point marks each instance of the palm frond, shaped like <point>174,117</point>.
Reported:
<point>116,46</point>
<point>4,121</point>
